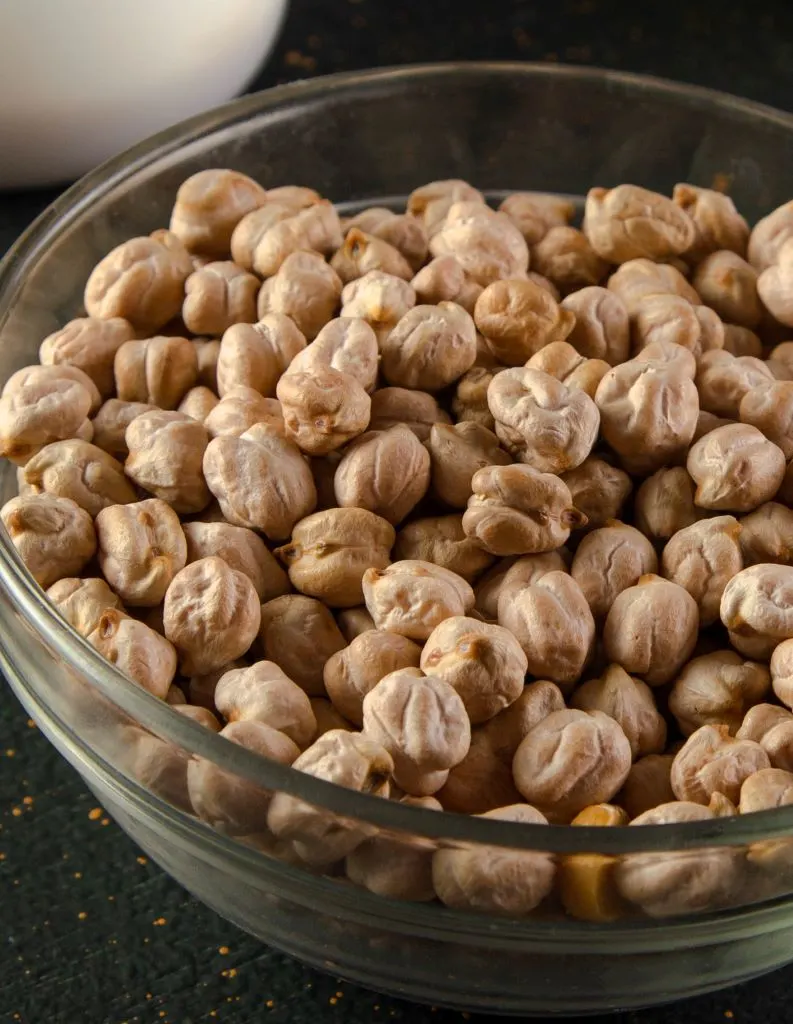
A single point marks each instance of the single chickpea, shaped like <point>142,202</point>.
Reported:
<point>488,245</point>
<point>347,759</point>
<point>352,672</point>
<point>518,318</point>
<point>262,692</point>
<point>669,884</point>
<point>412,597</point>
<point>82,601</point>
<point>315,228</point>
<point>442,541</point>
<point>42,404</point>
<point>494,879</point>
<point>328,718</point>
<point>157,371</point>
<point>111,422</point>
<point>713,761</point>
<point>306,289</point>
<point>322,409</point>
<point>300,634</point>
<point>142,281</point>
<point>456,453</point>
<point>296,197</point>
<point>629,222</point>
<point>672,319</point>
<point>261,480</point>
<point>767,535</point>
<point>651,629</point>
<point>385,471</point>
<point>217,296</point>
<point>141,547</point>
<point>444,280</point>
<point>252,229</point>
<point>562,361</point>
<point>330,551</point>
<point>765,790</point>
<point>242,549</point>
<point>354,621</point>
<point>601,329</point>
<point>769,235</point>
<point>208,207</point>
<point>541,421</point>
<point>470,397</point>
<point>137,651</point>
<point>647,785</point>
<point>80,471</point>
<point>769,407</point>
<point>608,561</point>
<point>598,490</point>
<point>566,258</point>
<point>201,688</point>
<point>703,558</point>
<point>378,298</point>
<point>53,536</point>
<point>775,285</point>
<point>717,223</point>
<point>728,284</point>
<point>740,341</point>
<point>735,468</point>
<point>256,355</point>
<point>535,214</point>
<point>516,510</point>
<point>198,403</point>
<point>166,450</point>
<point>242,408</point>
<point>772,728</point>
<point>229,803</point>
<point>782,672</point>
<point>207,351</point>
<point>717,688</point>
<point>723,380</point>
<point>638,279</point>
<point>545,283</point>
<point>404,232</point>
<point>416,410</point>
<point>430,347</point>
<point>665,503</point>
<point>362,252</point>
<point>346,344</point>
<point>570,760</point>
<point>89,344</point>
<point>512,575</point>
<point>484,663</point>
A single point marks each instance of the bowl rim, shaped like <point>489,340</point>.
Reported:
<point>158,717</point>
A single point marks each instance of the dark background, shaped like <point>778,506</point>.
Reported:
<point>94,934</point>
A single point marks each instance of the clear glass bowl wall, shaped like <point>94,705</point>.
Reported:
<point>364,137</point>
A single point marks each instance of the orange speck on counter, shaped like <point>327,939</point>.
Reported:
<point>223,950</point>
<point>95,813</point>
<point>82,915</point>
<point>158,921</point>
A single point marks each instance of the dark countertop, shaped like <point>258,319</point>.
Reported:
<point>94,934</point>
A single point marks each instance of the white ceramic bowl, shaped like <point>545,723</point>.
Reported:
<point>83,79</point>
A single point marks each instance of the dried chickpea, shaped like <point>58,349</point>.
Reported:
<point>562,361</point>
<point>772,728</point>
<point>629,222</point>
<point>217,296</point>
<point>735,468</point>
<point>42,404</point>
<point>517,318</point>
<point>609,560</point>
<point>137,651</point>
<point>444,280</point>
<point>385,471</point>
<point>412,597</point>
<point>601,329</point>
<point>430,347</point>
<point>262,692</point>
<point>495,879</point>
<point>651,629</point>
<point>517,510</point>
<point>198,403</point>
<point>517,573</point>
<point>470,398</point>
<point>767,535</point>
<point>80,471</point>
<point>670,884</point>
<point>769,235</point>
<point>570,760</point>
<point>703,558</point>
<point>706,422</point>
<point>416,410</point>
<point>229,803</point>
<point>541,421</point>
<point>330,551</point>
<point>82,601</point>
<point>713,761</point>
<point>405,233</point>
<point>723,380</point>
<point>378,298</point>
<point>207,350</point>
<point>240,409</point>
<point>717,688</point>
<point>361,253</point>
<point>242,549</point>
<point>300,634</point>
<point>141,547</point>
<point>740,341</point>
<point>566,258</point>
<point>111,422</point>
<point>157,371</point>
<point>647,785</point>
<point>323,408</point>
<point>261,480</point>
<point>782,672</point>
<point>306,289</point>
<point>142,281</point>
<point>208,207</point>
<point>665,503</point>
<point>354,621</point>
<point>352,672</point>
<point>328,718</point>
<point>484,663</point>
<point>176,698</point>
<point>551,621</point>
<point>535,214</point>
<point>775,285</point>
<point>728,284</point>
<point>717,223</point>
<point>456,453</point>
<point>316,228</point>
<point>638,279</point>
<point>347,759</point>
<point>768,788</point>
<point>90,344</point>
<point>166,451</point>
<point>648,413</point>
<point>442,541</point>
<point>201,688</point>
<point>487,245</point>
<point>53,536</point>
<point>598,490</point>
<point>670,318</point>
<point>769,407</point>
<point>586,885</point>
<point>211,615</point>
<point>255,355</point>
<point>347,344</point>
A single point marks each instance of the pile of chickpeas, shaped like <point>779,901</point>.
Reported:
<point>470,509</point>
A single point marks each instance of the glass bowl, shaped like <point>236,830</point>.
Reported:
<point>374,136</point>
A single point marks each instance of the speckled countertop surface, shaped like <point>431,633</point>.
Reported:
<point>91,932</point>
